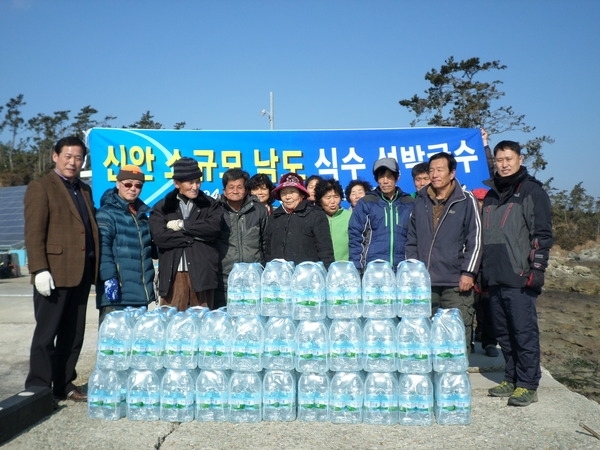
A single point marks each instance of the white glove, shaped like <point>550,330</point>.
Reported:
<point>44,283</point>
<point>175,225</point>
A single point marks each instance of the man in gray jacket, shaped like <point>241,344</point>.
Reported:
<point>242,229</point>
<point>445,233</point>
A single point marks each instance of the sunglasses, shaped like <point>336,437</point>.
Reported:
<point>130,185</point>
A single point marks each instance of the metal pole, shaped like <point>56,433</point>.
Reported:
<point>272,112</point>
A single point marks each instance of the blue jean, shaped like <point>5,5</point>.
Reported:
<point>515,324</point>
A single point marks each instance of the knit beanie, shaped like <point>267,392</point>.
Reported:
<point>186,169</point>
<point>130,172</point>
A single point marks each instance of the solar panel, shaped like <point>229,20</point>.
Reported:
<point>12,222</point>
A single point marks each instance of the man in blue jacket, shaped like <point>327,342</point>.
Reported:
<point>379,221</point>
<point>445,233</point>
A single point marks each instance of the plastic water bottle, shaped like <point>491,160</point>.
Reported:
<point>276,292</point>
<point>413,287</point>
<point>308,296</point>
<point>104,394</point>
<point>279,395</point>
<point>345,345</point>
<point>148,341</point>
<point>381,398</point>
<point>114,341</point>
<point>177,396</point>
<point>212,395</point>
<point>414,348</point>
<point>415,399</point>
<point>245,397</point>
<point>312,351</point>
<point>453,398</point>
<point>313,397</point>
<point>215,335</point>
<point>279,344</point>
<point>379,290</point>
<point>181,343</point>
<point>247,344</point>
<point>343,291</point>
<point>346,397</point>
<point>244,289</point>
<point>143,394</point>
<point>379,345</point>
<point>448,346</point>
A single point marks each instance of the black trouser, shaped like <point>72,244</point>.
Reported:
<point>58,337</point>
<point>515,323</point>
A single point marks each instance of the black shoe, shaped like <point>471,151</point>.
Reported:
<point>491,351</point>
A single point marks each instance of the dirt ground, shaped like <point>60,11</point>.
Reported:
<point>570,340</point>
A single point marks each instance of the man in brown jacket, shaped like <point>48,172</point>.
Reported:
<point>61,237</point>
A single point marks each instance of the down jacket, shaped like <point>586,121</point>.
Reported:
<point>300,236</point>
<point>197,239</point>
<point>126,251</point>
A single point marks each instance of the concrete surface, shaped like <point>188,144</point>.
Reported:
<point>553,422</point>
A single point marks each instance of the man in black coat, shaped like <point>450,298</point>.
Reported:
<point>185,226</point>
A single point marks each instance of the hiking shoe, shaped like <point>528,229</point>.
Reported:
<point>504,389</point>
<point>523,397</point>
<point>491,351</point>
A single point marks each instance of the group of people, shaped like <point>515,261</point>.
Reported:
<point>492,244</point>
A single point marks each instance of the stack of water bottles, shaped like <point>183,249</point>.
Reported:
<point>295,342</point>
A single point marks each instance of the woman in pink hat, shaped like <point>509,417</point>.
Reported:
<point>297,231</point>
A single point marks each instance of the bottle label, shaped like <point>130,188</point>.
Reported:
<point>312,351</point>
<point>180,347</point>
<point>213,348</point>
<point>239,401</point>
<point>313,400</point>
<point>112,347</point>
<point>415,403</point>
<point>278,399</point>
<point>379,350</point>
<point>245,349</point>
<point>381,403</point>
<point>211,400</point>
<point>279,348</point>
<point>345,349</point>
<point>141,399</point>
<point>346,402</point>
<point>176,400</point>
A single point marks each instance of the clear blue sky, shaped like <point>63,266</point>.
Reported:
<point>329,63</point>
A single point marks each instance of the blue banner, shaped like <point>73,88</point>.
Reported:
<point>342,154</point>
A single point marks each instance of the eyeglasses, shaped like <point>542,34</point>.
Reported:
<point>130,185</point>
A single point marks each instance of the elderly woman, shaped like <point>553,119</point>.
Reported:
<point>261,186</point>
<point>356,190</point>
<point>328,195</point>
<point>297,231</point>
<point>126,249</point>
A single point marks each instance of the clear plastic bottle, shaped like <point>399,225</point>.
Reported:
<point>104,394</point>
<point>212,395</point>
<point>313,397</point>
<point>143,394</point>
<point>379,290</point>
<point>346,396</point>
<point>379,345</point>
<point>415,399</point>
<point>181,343</point>
<point>381,398</point>
<point>177,396</point>
<point>448,346</point>
<point>312,351</point>
<point>413,287</point>
<point>345,345</point>
<point>343,291</point>
<point>215,335</point>
<point>245,397</point>
<point>280,344</point>
<point>276,292</point>
<point>247,344</point>
<point>414,347</point>
<point>453,398</point>
<point>308,292</point>
<point>148,341</point>
<point>244,289</point>
<point>279,395</point>
<point>114,341</point>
